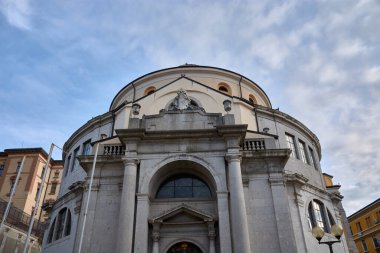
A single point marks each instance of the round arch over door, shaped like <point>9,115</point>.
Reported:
<point>184,247</point>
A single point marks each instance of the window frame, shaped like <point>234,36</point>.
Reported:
<point>302,149</point>
<point>175,179</point>
<point>53,188</point>
<point>364,245</point>
<point>61,225</point>
<point>85,150</point>
<point>67,167</point>
<point>376,242</point>
<point>312,158</point>
<point>75,155</point>
<point>2,168</point>
<point>359,227</point>
<point>291,144</point>
<point>320,216</point>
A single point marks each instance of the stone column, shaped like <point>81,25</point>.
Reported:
<point>127,206</point>
<point>211,236</point>
<point>240,233</point>
<point>156,238</point>
<point>224,223</point>
<point>141,232</point>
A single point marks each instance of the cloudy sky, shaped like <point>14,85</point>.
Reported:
<point>63,61</point>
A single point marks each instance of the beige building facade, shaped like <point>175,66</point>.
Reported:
<point>193,159</point>
<point>24,199</point>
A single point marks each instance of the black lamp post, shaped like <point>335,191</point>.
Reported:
<point>336,230</point>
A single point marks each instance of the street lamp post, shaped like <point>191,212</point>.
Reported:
<point>336,230</point>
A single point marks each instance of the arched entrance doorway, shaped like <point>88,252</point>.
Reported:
<point>184,247</point>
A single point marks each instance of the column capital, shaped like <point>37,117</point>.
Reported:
<point>130,161</point>
<point>156,236</point>
<point>233,158</point>
<point>142,197</point>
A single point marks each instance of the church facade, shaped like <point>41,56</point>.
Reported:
<point>192,159</point>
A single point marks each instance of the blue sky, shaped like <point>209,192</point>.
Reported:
<point>62,62</point>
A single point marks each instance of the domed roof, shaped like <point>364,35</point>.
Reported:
<point>185,71</point>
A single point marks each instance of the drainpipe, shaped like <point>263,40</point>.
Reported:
<point>241,92</point>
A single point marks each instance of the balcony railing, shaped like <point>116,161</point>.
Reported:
<point>253,145</point>
<point>17,218</point>
<point>113,150</point>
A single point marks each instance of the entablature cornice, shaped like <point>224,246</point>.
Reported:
<point>289,119</point>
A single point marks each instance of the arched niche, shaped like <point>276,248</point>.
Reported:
<point>183,166</point>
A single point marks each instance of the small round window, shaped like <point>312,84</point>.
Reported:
<point>149,90</point>
<point>223,87</point>
<point>183,186</point>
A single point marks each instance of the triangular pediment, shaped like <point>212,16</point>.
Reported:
<point>183,213</point>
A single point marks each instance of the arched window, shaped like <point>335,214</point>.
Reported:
<point>223,87</point>
<point>183,186</point>
<point>184,247</point>
<point>61,226</point>
<point>317,215</point>
<point>252,99</point>
<point>149,90</point>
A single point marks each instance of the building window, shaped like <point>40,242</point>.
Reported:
<point>53,188</point>
<point>302,151</point>
<point>18,166</point>
<point>317,215</point>
<point>223,87</point>
<point>1,169</point>
<point>75,154</point>
<point>291,145</point>
<point>68,161</point>
<point>149,90</point>
<point>376,242</point>
<point>43,170</point>
<point>183,186</point>
<point>38,189</point>
<point>61,226</point>
<point>364,245</point>
<point>252,99</point>
<point>87,148</point>
<point>359,227</point>
<point>312,158</point>
<point>12,184</point>
<point>56,174</point>
<point>185,247</point>
<point>368,221</point>
<point>51,232</point>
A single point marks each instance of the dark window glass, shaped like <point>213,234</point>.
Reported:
<point>183,186</point>
<point>317,215</point>
<point>68,223</point>
<point>53,188</point>
<point>51,232</point>
<point>165,192</point>
<point>60,223</point>
<point>87,148</point>
<point>18,166</point>
<point>1,169</point>
<point>185,247</point>
<point>75,154</point>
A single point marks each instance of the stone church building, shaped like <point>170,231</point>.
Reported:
<point>193,159</point>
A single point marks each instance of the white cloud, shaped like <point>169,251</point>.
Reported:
<point>372,74</point>
<point>17,13</point>
<point>349,48</point>
<point>318,59</point>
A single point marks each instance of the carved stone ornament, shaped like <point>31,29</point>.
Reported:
<point>183,102</point>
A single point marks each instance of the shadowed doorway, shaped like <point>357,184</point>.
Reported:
<point>184,247</point>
